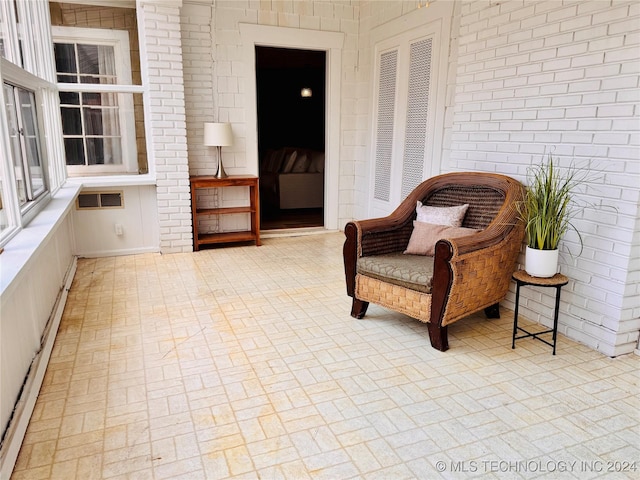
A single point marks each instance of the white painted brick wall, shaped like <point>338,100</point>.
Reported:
<point>161,62</point>
<point>227,100</point>
<point>561,76</point>
<point>200,95</point>
<point>195,22</point>
<point>524,77</point>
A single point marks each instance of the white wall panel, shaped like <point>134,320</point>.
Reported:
<point>36,265</point>
<point>95,229</point>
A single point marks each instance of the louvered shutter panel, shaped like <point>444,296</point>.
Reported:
<point>385,124</point>
<point>409,107</point>
<point>417,110</point>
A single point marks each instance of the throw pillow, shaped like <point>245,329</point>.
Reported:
<point>302,164</point>
<point>425,235</point>
<point>451,216</point>
<point>317,162</point>
<point>288,164</point>
<point>277,161</point>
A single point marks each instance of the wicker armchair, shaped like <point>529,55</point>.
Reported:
<point>466,274</point>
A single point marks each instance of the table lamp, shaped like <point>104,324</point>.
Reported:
<point>218,135</point>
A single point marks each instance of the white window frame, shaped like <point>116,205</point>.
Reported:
<point>26,44</point>
<point>119,40</point>
<point>20,215</point>
<point>9,32</point>
<point>28,64</point>
<point>10,208</point>
<point>27,171</point>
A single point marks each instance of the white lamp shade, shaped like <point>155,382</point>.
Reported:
<point>218,134</point>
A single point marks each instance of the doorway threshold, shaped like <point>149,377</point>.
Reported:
<point>294,232</point>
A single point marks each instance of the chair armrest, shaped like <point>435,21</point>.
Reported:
<point>472,273</point>
<point>378,236</point>
<point>375,236</point>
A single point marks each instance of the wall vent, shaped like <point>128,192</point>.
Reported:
<point>93,200</point>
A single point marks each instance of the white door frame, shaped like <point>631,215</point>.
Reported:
<point>284,37</point>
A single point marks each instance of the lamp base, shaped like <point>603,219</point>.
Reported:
<point>220,173</point>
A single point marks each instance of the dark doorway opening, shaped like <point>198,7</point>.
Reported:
<point>290,91</point>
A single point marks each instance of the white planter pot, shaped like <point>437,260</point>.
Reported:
<point>541,263</point>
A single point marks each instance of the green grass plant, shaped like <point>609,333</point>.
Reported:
<point>548,206</point>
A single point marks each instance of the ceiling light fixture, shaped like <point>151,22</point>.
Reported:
<point>305,92</point>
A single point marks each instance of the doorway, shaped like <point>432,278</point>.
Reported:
<point>290,101</point>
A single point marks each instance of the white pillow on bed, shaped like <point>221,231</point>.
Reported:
<point>278,158</point>
<point>289,162</point>
<point>301,164</point>
<point>317,162</point>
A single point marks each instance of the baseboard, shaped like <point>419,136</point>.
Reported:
<point>118,253</point>
<point>294,232</point>
<point>26,403</point>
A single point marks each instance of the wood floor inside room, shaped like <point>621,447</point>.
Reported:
<point>278,219</point>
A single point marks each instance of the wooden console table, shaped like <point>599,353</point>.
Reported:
<point>253,209</point>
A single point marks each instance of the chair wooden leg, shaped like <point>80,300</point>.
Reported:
<point>358,308</point>
<point>493,311</point>
<point>439,337</point>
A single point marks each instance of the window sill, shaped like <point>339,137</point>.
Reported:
<point>113,180</point>
<point>24,245</point>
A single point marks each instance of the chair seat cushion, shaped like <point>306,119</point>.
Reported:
<point>410,271</point>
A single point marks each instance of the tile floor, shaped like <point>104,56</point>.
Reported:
<point>243,362</point>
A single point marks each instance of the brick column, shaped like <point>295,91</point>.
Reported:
<point>162,73</point>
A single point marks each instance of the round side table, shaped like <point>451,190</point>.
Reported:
<point>523,278</point>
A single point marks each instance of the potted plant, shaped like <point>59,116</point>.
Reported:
<point>547,210</point>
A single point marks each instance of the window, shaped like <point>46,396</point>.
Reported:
<point>25,179</point>
<point>4,212</point>
<point>31,163</point>
<point>93,70</point>
<point>24,29</point>
<point>24,143</point>
<point>10,40</point>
